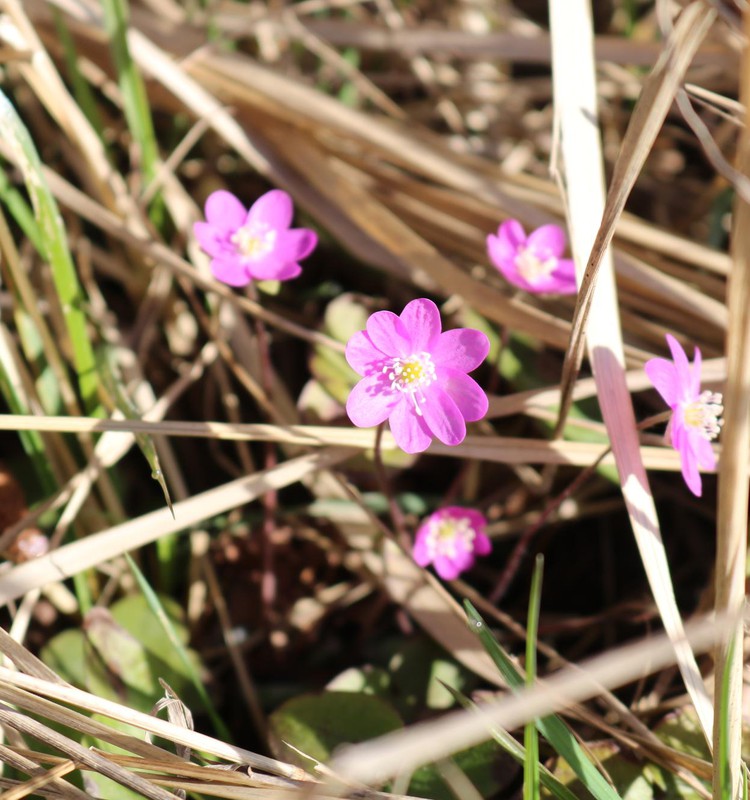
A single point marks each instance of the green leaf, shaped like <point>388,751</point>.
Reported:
<point>308,728</point>
<point>554,730</point>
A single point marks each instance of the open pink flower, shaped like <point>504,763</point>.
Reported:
<point>450,539</point>
<point>696,417</point>
<point>256,244</point>
<point>533,262</point>
<point>415,376</point>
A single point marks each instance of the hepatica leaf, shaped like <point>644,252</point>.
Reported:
<point>316,724</point>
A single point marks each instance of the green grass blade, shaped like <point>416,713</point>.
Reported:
<point>158,610</point>
<point>124,405</point>
<point>531,740</point>
<point>134,97</point>
<point>81,90</point>
<point>517,751</point>
<point>554,730</point>
<point>55,249</point>
<point>21,212</point>
<point>723,762</point>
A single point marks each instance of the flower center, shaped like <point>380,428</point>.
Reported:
<point>704,414</point>
<point>531,267</point>
<point>447,537</point>
<point>411,375</point>
<point>254,240</point>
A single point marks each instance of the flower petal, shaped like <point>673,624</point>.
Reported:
<point>230,271</point>
<point>362,355</point>
<point>389,334</point>
<point>549,241</point>
<point>442,416</point>
<point>681,363</point>
<point>368,404</point>
<point>213,240</point>
<point>466,393</point>
<point>273,208</point>
<point>462,349</point>
<point>663,374</point>
<point>420,551</point>
<point>704,453</point>
<point>225,211</point>
<point>421,319</point>
<point>512,235</point>
<point>695,373</point>
<point>408,429</point>
<point>482,544</point>
<point>682,442</point>
<point>555,284</point>
<point>450,568</point>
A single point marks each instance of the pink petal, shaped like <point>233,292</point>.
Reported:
<point>420,552</point>
<point>442,416</point>
<point>512,235</point>
<point>681,441</point>
<point>482,544</point>
<point>477,520</point>
<point>230,271</point>
<point>681,363</point>
<point>501,254</point>
<point>462,349</point>
<point>363,357</point>
<point>663,374</point>
<point>565,268</point>
<point>274,208</point>
<point>408,429</point>
<point>466,393</point>
<point>549,241</point>
<point>450,568</point>
<point>704,453</point>
<point>213,240</point>
<point>421,319</point>
<point>225,211</point>
<point>695,373</point>
<point>555,284</point>
<point>389,334</point>
<point>287,272</point>
<point>368,404</point>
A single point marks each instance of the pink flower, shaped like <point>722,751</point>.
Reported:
<point>696,417</point>
<point>449,539</point>
<point>415,376</point>
<point>256,244</point>
<point>533,262</point>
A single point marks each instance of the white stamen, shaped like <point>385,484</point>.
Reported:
<point>531,267</point>
<point>445,535</point>
<point>254,240</point>
<point>705,414</point>
<point>411,375</point>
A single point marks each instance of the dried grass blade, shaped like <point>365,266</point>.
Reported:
<point>731,545</point>
<point>39,781</point>
<point>425,742</point>
<point>77,556</point>
<point>575,102</point>
<point>652,107</point>
<point>159,727</point>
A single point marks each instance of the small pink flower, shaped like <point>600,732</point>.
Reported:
<point>256,244</point>
<point>415,376</point>
<point>450,539</point>
<point>696,417</point>
<point>533,262</point>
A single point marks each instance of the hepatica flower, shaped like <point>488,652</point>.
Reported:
<point>253,245</point>
<point>533,262</point>
<point>450,539</point>
<point>696,416</point>
<point>415,376</point>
